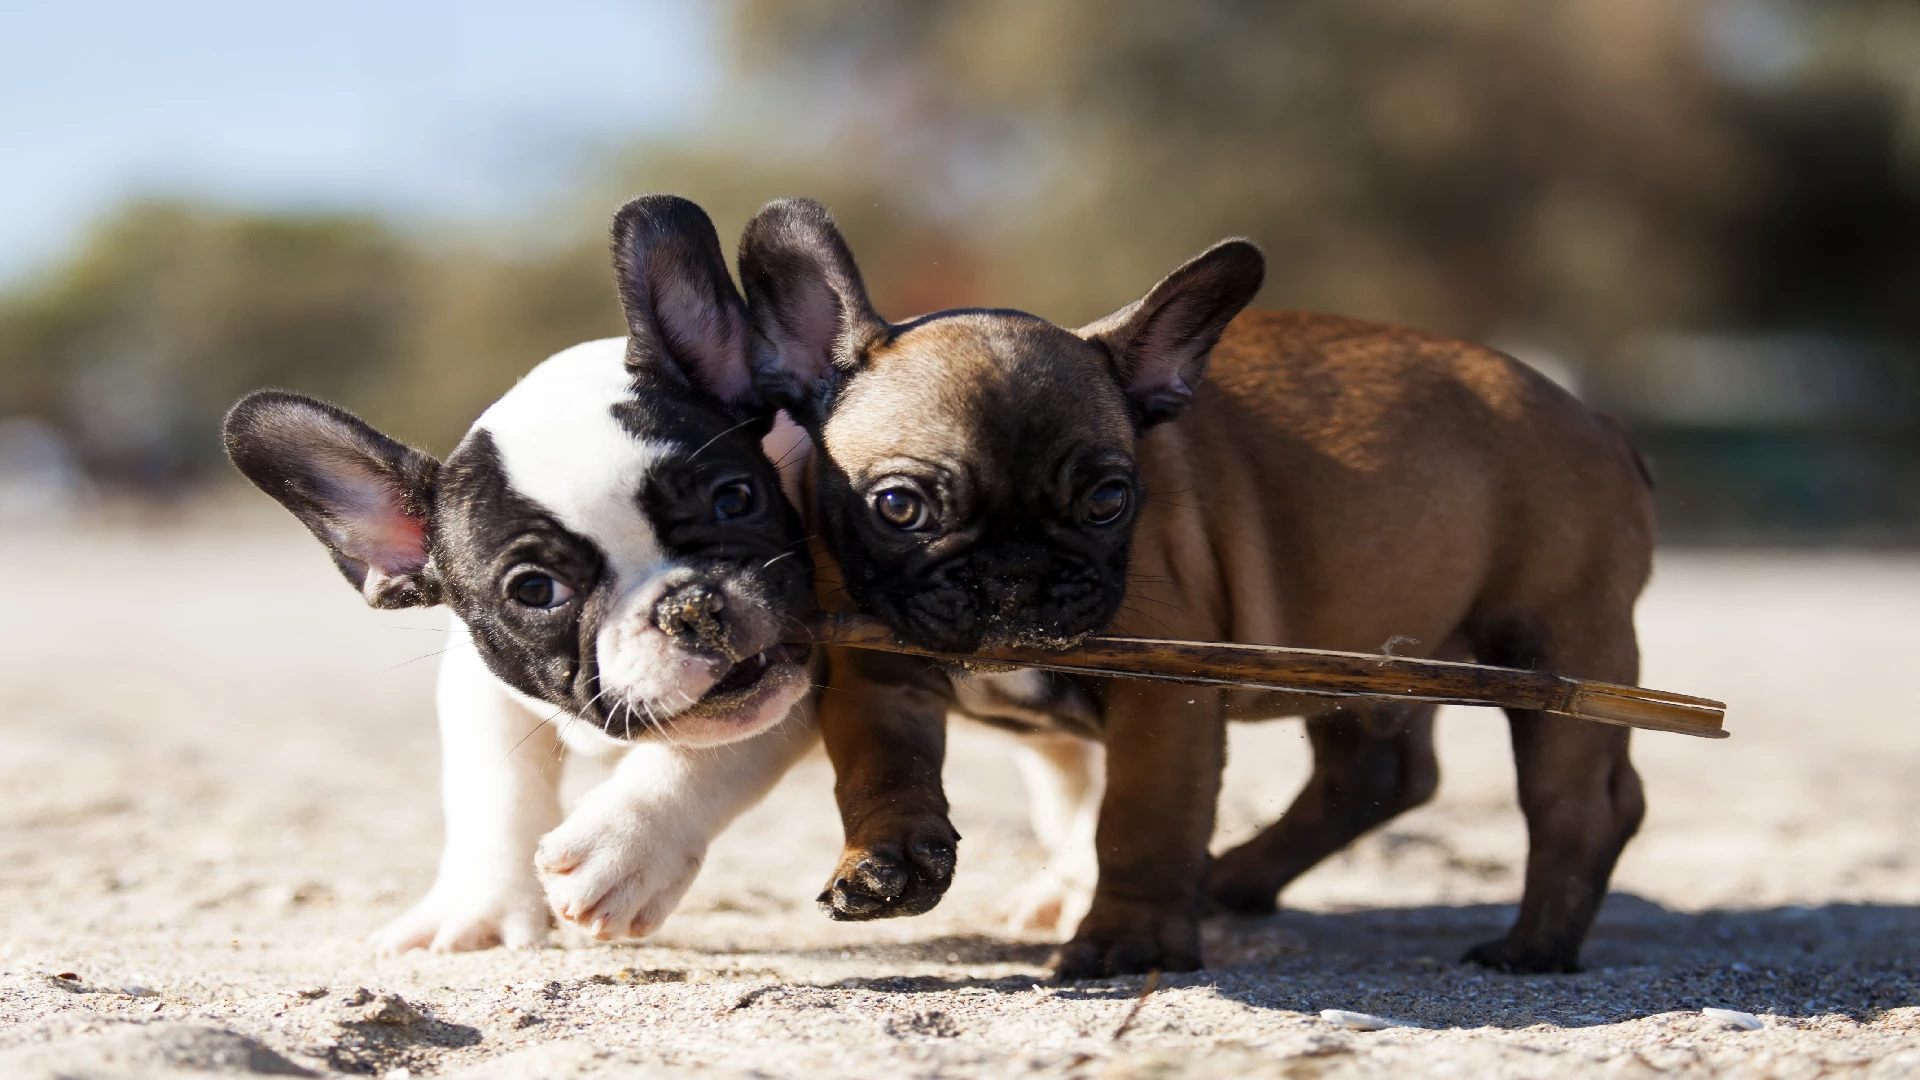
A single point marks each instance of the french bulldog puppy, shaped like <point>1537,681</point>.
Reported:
<point>986,476</point>
<point>620,565</point>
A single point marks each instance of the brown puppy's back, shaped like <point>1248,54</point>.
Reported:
<point>1407,486</point>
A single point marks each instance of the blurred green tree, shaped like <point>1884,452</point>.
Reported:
<point>169,311</point>
<point>1568,180</point>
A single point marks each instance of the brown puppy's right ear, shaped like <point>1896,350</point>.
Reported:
<point>1160,343</point>
<point>812,321</point>
<point>365,496</point>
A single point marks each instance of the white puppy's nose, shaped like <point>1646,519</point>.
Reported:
<point>693,615</point>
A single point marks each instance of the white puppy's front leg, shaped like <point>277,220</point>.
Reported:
<point>619,864</point>
<point>499,789</point>
<point>1066,777</point>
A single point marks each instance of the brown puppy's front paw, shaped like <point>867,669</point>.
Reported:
<point>893,877</point>
<point>1129,939</point>
<point>1514,959</point>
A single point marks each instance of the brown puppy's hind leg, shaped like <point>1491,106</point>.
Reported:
<point>1371,763</point>
<point>887,743</point>
<point>1578,789</point>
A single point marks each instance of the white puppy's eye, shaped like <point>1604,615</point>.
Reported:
<point>732,500</point>
<point>536,590</point>
<point>901,508</point>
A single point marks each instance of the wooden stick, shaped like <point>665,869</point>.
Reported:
<point>1322,673</point>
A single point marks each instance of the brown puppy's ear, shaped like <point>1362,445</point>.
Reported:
<point>365,496</point>
<point>684,317</point>
<point>812,321</point>
<point>1160,342</point>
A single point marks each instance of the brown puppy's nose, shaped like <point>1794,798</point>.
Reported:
<point>1011,577</point>
<point>691,616</point>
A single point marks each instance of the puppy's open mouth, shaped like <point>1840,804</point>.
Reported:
<point>746,674</point>
<point>750,694</point>
<point>747,679</point>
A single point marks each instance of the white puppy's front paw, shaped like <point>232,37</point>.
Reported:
<point>1048,901</point>
<point>611,871</point>
<point>462,916</point>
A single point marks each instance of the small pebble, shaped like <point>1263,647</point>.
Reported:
<point>1745,1021</point>
<point>389,1009</point>
<point>1359,1021</point>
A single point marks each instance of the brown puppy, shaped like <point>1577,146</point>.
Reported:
<point>988,476</point>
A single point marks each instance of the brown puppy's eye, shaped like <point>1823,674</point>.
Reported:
<point>1107,502</point>
<point>901,508</point>
<point>733,500</point>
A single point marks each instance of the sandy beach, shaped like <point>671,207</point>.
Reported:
<point>219,775</point>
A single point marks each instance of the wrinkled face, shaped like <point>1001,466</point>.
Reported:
<point>625,554</point>
<point>976,483</point>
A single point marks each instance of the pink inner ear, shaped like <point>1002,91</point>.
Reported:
<point>710,337</point>
<point>394,544</point>
<point>370,520</point>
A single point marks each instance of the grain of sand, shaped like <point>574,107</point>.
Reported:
<point>219,774</point>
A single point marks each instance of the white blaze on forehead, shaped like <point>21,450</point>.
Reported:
<point>561,447</point>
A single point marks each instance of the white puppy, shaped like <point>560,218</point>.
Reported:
<point>621,565</point>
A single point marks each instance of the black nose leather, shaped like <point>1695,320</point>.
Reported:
<point>1011,575</point>
<point>694,617</point>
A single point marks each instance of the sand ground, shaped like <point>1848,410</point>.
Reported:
<point>218,773</point>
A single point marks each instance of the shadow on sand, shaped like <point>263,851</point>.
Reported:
<point>1854,960</point>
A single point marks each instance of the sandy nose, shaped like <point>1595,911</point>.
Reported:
<point>693,616</point>
<point>1011,577</point>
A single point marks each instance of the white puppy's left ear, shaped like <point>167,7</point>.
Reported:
<point>684,317</point>
<point>365,496</point>
<point>1160,343</point>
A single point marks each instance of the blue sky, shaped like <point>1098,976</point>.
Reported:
<point>426,109</point>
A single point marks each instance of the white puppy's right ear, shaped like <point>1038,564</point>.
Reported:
<point>365,496</point>
<point>684,317</point>
<point>812,321</point>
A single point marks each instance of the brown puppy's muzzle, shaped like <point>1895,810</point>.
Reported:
<point>1011,579</point>
<point>1019,594</point>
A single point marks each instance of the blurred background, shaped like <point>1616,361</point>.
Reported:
<point>1702,215</point>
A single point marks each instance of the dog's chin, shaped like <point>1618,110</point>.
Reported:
<point>751,696</point>
<point>973,633</point>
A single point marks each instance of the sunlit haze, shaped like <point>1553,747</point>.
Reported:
<point>430,109</point>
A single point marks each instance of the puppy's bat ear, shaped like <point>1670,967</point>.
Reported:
<point>1160,343</point>
<point>812,321</point>
<point>365,496</point>
<point>684,317</point>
